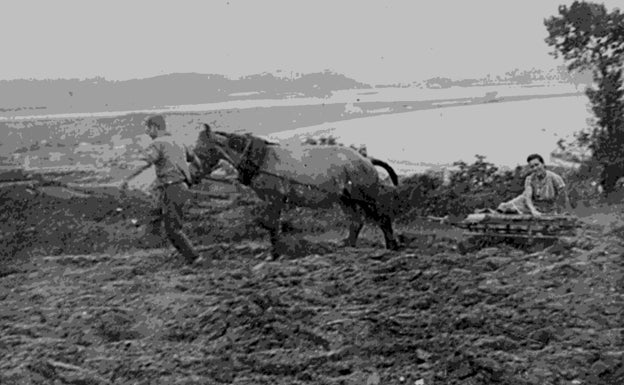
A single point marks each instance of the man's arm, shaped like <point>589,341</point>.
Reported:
<point>568,205</point>
<point>195,163</point>
<point>528,195</point>
<point>150,157</point>
<point>124,183</point>
<point>192,158</point>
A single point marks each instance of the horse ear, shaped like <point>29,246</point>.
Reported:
<point>207,128</point>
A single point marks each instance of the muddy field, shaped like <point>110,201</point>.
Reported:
<point>87,299</point>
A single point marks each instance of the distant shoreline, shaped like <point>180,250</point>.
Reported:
<point>415,129</point>
<point>437,98</point>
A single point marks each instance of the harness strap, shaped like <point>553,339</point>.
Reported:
<point>248,169</point>
<point>253,154</point>
<point>343,194</point>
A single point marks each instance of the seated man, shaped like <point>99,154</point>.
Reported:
<point>543,190</point>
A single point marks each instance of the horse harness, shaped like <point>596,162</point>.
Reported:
<point>253,154</point>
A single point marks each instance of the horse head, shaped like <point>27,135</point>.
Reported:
<point>244,152</point>
<point>209,149</point>
<point>222,145</point>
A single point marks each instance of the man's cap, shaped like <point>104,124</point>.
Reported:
<point>156,120</point>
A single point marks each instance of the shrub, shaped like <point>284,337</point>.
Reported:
<point>469,187</point>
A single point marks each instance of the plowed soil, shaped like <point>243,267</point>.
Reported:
<point>85,298</point>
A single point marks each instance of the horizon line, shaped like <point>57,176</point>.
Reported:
<point>283,74</point>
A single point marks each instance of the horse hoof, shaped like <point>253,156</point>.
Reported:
<point>286,227</point>
<point>394,245</point>
<point>271,258</point>
<point>201,262</point>
<point>347,243</point>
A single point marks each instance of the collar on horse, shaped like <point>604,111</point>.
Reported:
<point>252,155</point>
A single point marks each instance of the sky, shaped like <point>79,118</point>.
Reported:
<point>377,42</point>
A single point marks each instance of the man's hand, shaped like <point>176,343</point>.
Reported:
<point>196,174</point>
<point>536,213</point>
<point>124,183</point>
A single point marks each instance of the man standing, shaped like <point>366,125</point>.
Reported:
<point>543,191</point>
<point>173,178</point>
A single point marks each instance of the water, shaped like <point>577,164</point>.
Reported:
<point>505,132</point>
<point>342,96</point>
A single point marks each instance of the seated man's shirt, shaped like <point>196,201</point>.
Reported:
<point>544,192</point>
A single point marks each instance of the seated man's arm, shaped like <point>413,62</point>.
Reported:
<point>562,191</point>
<point>528,195</point>
<point>568,205</point>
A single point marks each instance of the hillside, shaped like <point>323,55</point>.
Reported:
<point>87,299</point>
<point>27,97</point>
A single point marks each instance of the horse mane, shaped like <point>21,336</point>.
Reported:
<point>238,142</point>
<point>253,151</point>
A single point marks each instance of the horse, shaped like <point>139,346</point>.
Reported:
<point>305,176</point>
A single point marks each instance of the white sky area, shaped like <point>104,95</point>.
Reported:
<point>377,42</point>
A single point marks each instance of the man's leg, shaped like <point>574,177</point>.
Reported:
<point>154,225</point>
<point>174,198</point>
<point>153,228</point>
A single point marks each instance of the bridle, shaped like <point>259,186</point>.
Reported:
<point>223,153</point>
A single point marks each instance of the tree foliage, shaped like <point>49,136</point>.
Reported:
<point>588,37</point>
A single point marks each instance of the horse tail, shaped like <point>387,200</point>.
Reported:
<point>387,167</point>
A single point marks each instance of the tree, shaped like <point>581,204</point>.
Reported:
<point>588,37</point>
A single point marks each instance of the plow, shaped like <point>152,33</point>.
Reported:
<point>22,185</point>
<point>100,200</point>
<point>489,228</point>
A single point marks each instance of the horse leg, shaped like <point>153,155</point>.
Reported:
<point>356,222</point>
<point>385,223</point>
<point>270,220</point>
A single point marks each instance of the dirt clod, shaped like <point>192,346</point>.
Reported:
<point>88,300</point>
